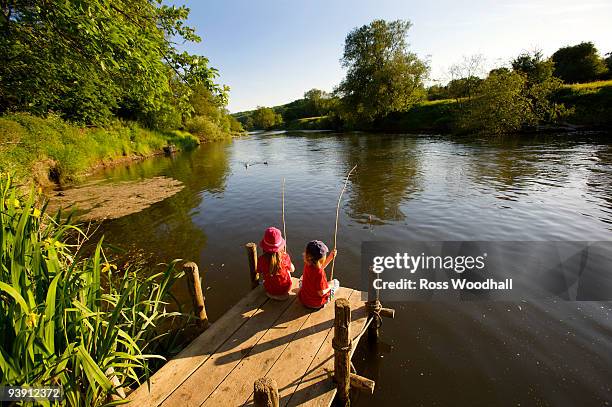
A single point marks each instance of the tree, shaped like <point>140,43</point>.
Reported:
<point>437,92</point>
<point>90,60</point>
<point>463,87</point>
<point>466,76</point>
<point>534,65</point>
<point>608,61</point>
<point>382,75</point>
<point>540,85</point>
<point>501,105</point>
<point>265,118</point>
<point>316,102</point>
<point>506,102</point>
<point>578,63</point>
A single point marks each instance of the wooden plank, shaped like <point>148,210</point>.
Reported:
<point>238,385</point>
<point>177,370</point>
<point>293,363</point>
<point>317,387</point>
<point>196,389</point>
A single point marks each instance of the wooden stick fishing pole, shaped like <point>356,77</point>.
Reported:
<point>331,277</point>
<point>284,230</point>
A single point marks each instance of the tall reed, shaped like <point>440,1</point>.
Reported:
<point>72,321</point>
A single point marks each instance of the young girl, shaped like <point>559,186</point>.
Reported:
<point>275,265</point>
<point>315,291</point>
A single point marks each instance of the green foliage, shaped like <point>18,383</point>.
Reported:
<point>210,120</point>
<point>265,118</point>
<point>537,69</point>
<point>71,321</point>
<point>590,103</point>
<point>437,92</point>
<point>382,75</point>
<point>508,101</point>
<point>501,106</point>
<point>463,87</point>
<point>437,116</point>
<point>89,61</point>
<point>37,149</point>
<point>578,63</point>
<point>311,123</point>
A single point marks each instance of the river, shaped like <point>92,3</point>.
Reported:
<point>554,187</point>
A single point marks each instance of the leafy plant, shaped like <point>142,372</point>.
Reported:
<point>70,321</point>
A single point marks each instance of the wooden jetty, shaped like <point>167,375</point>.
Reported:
<point>265,352</point>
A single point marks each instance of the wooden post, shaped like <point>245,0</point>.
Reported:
<point>265,393</point>
<point>372,305</point>
<point>342,349</point>
<point>362,383</point>
<point>376,310</point>
<point>195,288</point>
<point>251,249</point>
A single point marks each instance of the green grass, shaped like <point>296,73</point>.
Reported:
<point>429,116</point>
<point>310,123</point>
<point>72,321</point>
<point>39,149</point>
<point>589,85</point>
<point>591,103</point>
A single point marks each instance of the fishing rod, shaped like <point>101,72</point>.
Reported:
<point>331,277</point>
<point>283,200</point>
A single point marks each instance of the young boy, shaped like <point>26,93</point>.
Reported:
<point>315,291</point>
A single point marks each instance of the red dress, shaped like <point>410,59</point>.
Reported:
<point>280,283</point>
<point>313,281</point>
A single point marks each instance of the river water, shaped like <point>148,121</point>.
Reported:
<point>555,187</point>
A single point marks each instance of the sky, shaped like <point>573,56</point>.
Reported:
<point>269,52</point>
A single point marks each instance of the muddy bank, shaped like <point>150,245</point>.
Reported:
<point>98,201</point>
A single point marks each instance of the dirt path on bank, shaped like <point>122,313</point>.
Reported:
<point>97,201</point>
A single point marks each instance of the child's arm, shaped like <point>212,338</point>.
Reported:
<point>323,292</point>
<point>292,268</point>
<point>329,258</point>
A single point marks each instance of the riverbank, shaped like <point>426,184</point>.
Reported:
<point>50,151</point>
<point>589,106</point>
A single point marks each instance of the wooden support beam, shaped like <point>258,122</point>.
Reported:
<point>265,393</point>
<point>342,349</point>
<point>251,249</point>
<point>195,288</point>
<point>362,383</point>
<point>373,305</point>
<point>387,313</point>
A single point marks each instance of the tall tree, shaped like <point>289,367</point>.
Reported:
<point>534,65</point>
<point>90,60</point>
<point>382,75</point>
<point>265,118</point>
<point>578,63</point>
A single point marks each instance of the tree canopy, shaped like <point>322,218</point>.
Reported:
<point>264,118</point>
<point>578,63</point>
<point>534,65</point>
<point>382,75</point>
<point>91,60</point>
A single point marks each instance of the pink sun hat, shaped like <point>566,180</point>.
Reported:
<point>272,241</point>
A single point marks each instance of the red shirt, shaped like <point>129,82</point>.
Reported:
<point>313,281</point>
<point>280,283</point>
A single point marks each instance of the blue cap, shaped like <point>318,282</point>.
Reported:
<point>316,249</point>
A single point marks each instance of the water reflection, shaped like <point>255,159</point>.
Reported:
<point>166,230</point>
<point>388,173</point>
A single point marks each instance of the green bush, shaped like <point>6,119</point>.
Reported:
<point>204,128</point>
